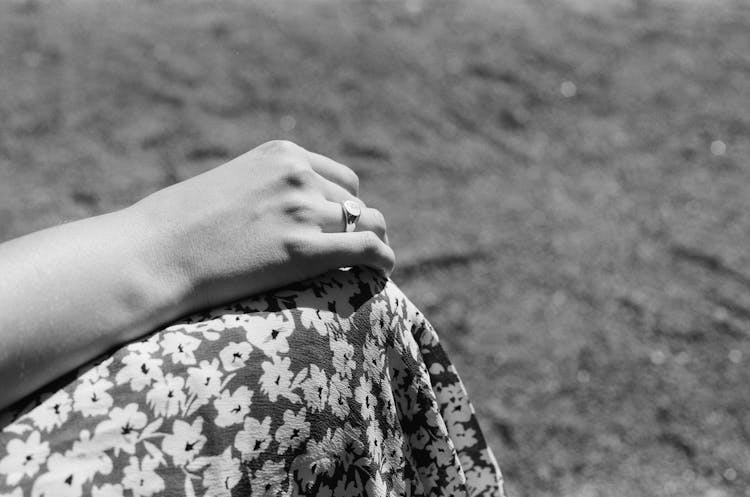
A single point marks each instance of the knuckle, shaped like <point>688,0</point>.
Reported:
<point>280,147</point>
<point>297,247</point>
<point>297,174</point>
<point>378,221</point>
<point>370,243</point>
<point>298,207</point>
<point>352,181</point>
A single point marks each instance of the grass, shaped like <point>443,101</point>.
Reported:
<point>546,169</point>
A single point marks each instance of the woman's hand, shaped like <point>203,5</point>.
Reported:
<point>267,218</point>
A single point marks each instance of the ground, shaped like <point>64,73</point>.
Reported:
<point>566,185</point>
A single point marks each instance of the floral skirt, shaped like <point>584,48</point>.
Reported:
<point>333,386</point>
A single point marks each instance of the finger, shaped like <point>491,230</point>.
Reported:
<point>332,220</point>
<point>334,171</point>
<point>335,192</point>
<point>334,250</point>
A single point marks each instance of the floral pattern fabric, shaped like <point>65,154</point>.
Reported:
<point>333,386</point>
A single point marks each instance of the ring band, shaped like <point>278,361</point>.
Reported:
<point>351,211</point>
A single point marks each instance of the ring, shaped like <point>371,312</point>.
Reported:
<point>351,211</point>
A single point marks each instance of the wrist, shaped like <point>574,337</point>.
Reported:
<point>156,271</point>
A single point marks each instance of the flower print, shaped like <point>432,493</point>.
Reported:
<point>166,398</point>
<point>203,383</point>
<point>139,370</point>
<point>180,346</point>
<point>235,355</point>
<point>254,438</point>
<point>140,477</point>
<point>454,402</point>
<point>294,431</point>
<point>276,380</point>
<point>222,474</point>
<point>185,441</point>
<point>462,436</point>
<point>380,319</point>
<point>66,473</point>
<point>339,393</point>
<point>375,441</point>
<point>455,479</point>
<point>315,389</point>
<point>232,407</point>
<point>122,430</point>
<point>374,358</point>
<point>271,480</point>
<point>107,490</point>
<point>467,461</point>
<point>91,398</point>
<point>61,479</point>
<point>53,412</point>
<point>440,451</point>
<point>376,487</point>
<point>481,478</point>
<point>429,476</point>
<point>144,347</point>
<point>392,448</point>
<point>365,398</point>
<point>97,372</point>
<point>23,458</point>
<point>419,438</point>
<point>386,395</point>
<point>320,456</point>
<point>343,357</point>
<point>316,319</point>
<point>88,457</point>
<point>270,333</point>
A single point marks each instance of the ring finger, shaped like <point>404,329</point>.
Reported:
<point>369,220</point>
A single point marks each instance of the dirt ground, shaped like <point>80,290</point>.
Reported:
<point>566,184</point>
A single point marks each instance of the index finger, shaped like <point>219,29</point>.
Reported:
<point>334,171</point>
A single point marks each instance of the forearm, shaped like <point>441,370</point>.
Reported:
<point>69,293</point>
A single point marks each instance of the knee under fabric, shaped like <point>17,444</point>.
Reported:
<point>333,386</point>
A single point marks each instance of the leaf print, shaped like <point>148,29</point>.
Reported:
<point>23,458</point>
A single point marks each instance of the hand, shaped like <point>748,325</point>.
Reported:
<point>267,218</point>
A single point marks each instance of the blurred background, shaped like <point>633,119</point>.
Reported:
<point>566,185</point>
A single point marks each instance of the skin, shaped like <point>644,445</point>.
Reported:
<point>267,218</point>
